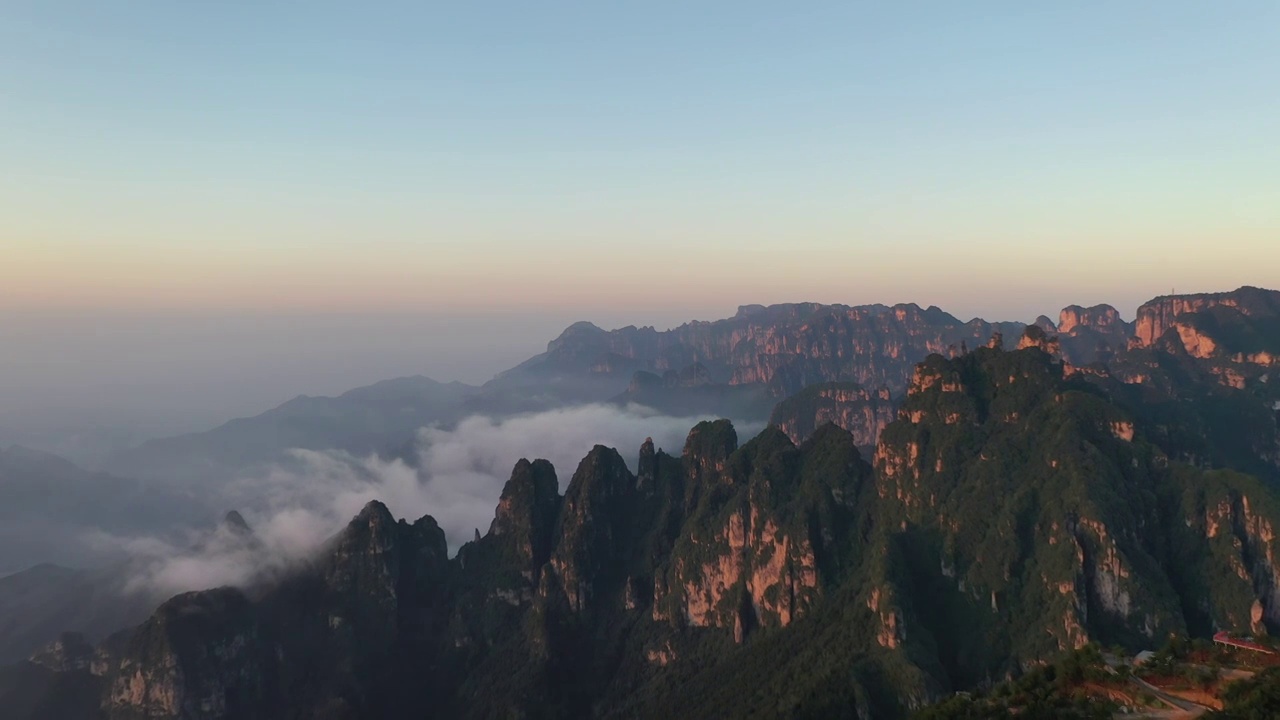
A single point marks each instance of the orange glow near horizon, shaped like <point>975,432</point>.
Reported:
<point>145,277</point>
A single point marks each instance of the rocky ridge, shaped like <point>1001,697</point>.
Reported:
<point>1017,505</point>
<point>1010,511</point>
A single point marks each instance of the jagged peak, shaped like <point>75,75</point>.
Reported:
<point>532,485</point>
<point>427,523</point>
<point>374,523</point>
<point>374,516</point>
<point>1035,336</point>
<point>600,458</point>
<point>428,529</point>
<point>711,438</point>
<point>374,509</point>
<point>771,436</point>
<point>646,467</point>
<point>829,432</point>
<point>235,522</point>
<point>603,481</point>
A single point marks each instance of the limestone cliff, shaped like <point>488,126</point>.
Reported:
<point>1102,318</point>
<point>1087,335</point>
<point>847,405</point>
<point>1011,511</point>
<point>780,347</point>
<point>313,644</point>
<point>1162,314</point>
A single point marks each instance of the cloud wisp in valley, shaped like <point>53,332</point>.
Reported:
<point>459,477</point>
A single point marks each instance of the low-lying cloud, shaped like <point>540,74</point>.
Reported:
<point>460,475</point>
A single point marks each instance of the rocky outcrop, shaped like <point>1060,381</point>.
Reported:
<point>752,556</point>
<point>301,647</point>
<point>70,652</point>
<point>593,528</point>
<point>1035,337</point>
<point>1233,518</point>
<point>527,512</point>
<point>197,657</point>
<point>1087,335</point>
<point>1101,318</point>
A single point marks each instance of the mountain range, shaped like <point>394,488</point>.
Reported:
<point>936,506</point>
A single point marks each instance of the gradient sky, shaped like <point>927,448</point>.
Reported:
<point>655,160</point>
<point>209,207</point>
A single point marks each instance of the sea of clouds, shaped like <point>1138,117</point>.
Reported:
<point>293,509</point>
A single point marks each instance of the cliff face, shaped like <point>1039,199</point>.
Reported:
<point>1088,335</point>
<point>1102,318</point>
<point>197,657</point>
<point>623,578</point>
<point>1163,314</point>
<point>847,405</point>
<point>312,646</point>
<point>962,449</point>
<point>1011,509</point>
<point>753,549</point>
<point>782,347</point>
<point>785,348</point>
<point>1089,525</point>
<point>1232,581</point>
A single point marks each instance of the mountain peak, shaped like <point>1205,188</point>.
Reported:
<point>526,512</point>
<point>373,514</point>
<point>235,522</point>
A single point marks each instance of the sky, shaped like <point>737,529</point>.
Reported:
<point>277,197</point>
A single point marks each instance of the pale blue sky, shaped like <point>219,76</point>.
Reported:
<point>320,155</point>
<point>525,164</point>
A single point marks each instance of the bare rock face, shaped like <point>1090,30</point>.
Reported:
<point>1016,507</point>
<point>962,448</point>
<point>777,574</point>
<point>1102,318</point>
<point>1036,337</point>
<point>1087,335</point>
<point>71,651</point>
<point>298,646</point>
<point>782,347</point>
<point>1242,536</point>
<point>197,657</point>
<point>706,457</point>
<point>747,558</point>
<point>1162,314</point>
<point>593,528</point>
<point>527,512</point>
<point>847,405</point>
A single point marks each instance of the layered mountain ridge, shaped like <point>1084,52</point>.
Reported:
<point>738,367</point>
<point>1007,505</point>
<point>1016,507</point>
